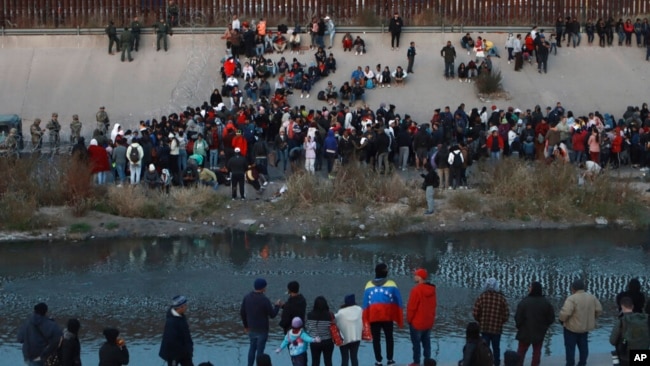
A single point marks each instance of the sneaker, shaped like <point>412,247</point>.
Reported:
<point>300,96</point>
<point>426,213</point>
<point>508,62</point>
<point>389,85</point>
<point>307,96</point>
<point>390,362</point>
<point>356,53</point>
<point>265,184</point>
<point>243,198</point>
<point>378,364</point>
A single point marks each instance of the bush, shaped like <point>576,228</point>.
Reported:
<point>489,83</point>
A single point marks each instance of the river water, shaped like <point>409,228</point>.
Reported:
<point>127,283</point>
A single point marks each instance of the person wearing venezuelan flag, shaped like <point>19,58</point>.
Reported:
<point>382,306</point>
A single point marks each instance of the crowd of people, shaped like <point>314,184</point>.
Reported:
<point>322,329</point>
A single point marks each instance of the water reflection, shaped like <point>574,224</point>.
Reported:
<point>127,283</point>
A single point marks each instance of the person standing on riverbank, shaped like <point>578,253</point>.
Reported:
<point>350,323</point>
<point>113,352</point>
<point>421,314</point>
<point>534,316</point>
<point>177,347</point>
<point>255,311</point>
<point>410,56</point>
<point>491,312</point>
<point>296,306</point>
<point>382,306</point>
<point>40,336</point>
<point>578,316</point>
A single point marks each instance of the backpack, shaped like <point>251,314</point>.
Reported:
<point>635,331</point>
<point>458,160</point>
<point>134,155</point>
<point>321,95</point>
<point>483,355</point>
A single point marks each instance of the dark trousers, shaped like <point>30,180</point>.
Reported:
<point>182,362</point>
<point>136,41</point>
<point>519,61</point>
<point>112,40</point>
<point>494,341</point>
<point>571,340</point>
<point>409,68</point>
<point>126,49</point>
<point>237,180</point>
<point>161,37</point>
<point>349,353</point>
<point>394,39</point>
<point>375,329</point>
<point>325,348</point>
<point>299,360</point>
<point>454,179</point>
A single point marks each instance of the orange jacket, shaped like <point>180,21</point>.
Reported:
<point>421,307</point>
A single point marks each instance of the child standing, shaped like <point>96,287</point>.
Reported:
<point>298,342</point>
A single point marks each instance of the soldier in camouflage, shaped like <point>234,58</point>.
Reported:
<point>75,129</point>
<point>37,135</point>
<point>102,120</point>
<point>54,127</point>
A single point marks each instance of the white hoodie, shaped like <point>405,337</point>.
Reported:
<point>350,323</point>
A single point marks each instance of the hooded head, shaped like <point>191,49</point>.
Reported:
<point>381,270</point>
<point>93,142</point>
<point>491,284</point>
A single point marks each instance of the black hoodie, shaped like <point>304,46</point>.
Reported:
<point>296,306</point>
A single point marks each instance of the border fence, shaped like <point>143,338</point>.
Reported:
<point>97,13</point>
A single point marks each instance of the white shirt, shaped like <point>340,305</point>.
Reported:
<point>236,24</point>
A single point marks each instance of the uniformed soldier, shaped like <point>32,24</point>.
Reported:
<point>75,129</point>
<point>102,120</point>
<point>11,143</point>
<point>136,29</point>
<point>162,29</point>
<point>172,15</point>
<point>126,40</point>
<point>37,135</point>
<point>54,127</point>
<point>112,38</point>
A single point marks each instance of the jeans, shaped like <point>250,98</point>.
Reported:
<point>101,177</point>
<point>494,341</point>
<point>182,160</point>
<point>257,345</point>
<point>493,52</point>
<point>522,348</point>
<point>421,337</point>
<point>214,159</point>
<point>495,155</point>
<point>449,69</point>
<point>621,37</point>
<point>282,155</point>
<point>349,353</point>
<point>579,156</point>
<point>330,157</point>
<point>590,37</point>
<point>647,53</point>
<point>135,173</point>
<point>121,172</point>
<point>429,196</point>
<point>375,329</point>
<point>510,54</point>
<point>403,156</point>
<point>382,159</point>
<point>354,98</point>
<point>214,185</point>
<point>326,348</point>
<point>571,340</point>
<point>332,33</point>
<point>259,49</point>
<point>252,94</point>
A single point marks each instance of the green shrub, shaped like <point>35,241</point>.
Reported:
<point>489,83</point>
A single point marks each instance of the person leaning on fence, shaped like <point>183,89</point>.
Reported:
<point>111,32</point>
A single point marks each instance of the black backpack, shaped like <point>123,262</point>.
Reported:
<point>134,155</point>
<point>483,354</point>
<point>458,160</point>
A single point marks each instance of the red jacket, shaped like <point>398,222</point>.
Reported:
<point>617,144</point>
<point>421,308</point>
<point>98,158</point>
<point>488,144</point>
<point>240,142</point>
<point>578,140</point>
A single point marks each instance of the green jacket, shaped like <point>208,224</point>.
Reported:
<point>136,27</point>
<point>110,30</point>
<point>126,38</point>
<point>161,28</point>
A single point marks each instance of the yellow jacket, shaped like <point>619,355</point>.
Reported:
<point>579,312</point>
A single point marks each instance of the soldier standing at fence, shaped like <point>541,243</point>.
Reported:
<point>126,40</point>
<point>102,120</point>
<point>136,29</point>
<point>54,127</point>
<point>37,134</point>
<point>162,29</point>
<point>172,16</point>
<point>75,129</point>
<point>112,38</point>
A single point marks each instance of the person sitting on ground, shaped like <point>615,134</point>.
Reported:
<point>357,92</point>
<point>491,49</point>
<point>357,75</point>
<point>399,75</point>
<point>330,63</point>
<point>320,55</point>
<point>248,71</point>
<point>346,91</point>
<point>472,70</point>
<point>294,42</point>
<point>467,43</point>
<point>279,43</point>
<point>369,78</point>
<point>348,42</point>
<point>330,93</point>
<point>462,73</point>
<point>359,46</point>
<point>385,77</point>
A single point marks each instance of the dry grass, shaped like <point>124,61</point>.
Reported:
<point>522,191</point>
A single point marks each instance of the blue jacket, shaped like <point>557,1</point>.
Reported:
<point>40,337</point>
<point>177,342</point>
<point>256,310</point>
<point>330,141</point>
